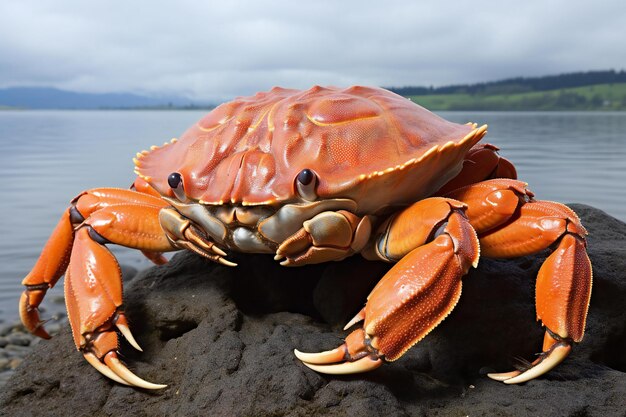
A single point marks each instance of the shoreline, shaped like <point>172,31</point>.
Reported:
<point>16,343</point>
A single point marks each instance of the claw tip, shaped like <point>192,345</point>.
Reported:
<point>503,376</point>
<point>125,330</point>
<point>361,365</point>
<point>298,354</point>
<point>123,372</point>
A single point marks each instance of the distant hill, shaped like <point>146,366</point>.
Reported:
<point>592,97</point>
<point>521,84</point>
<point>594,90</point>
<point>53,98</point>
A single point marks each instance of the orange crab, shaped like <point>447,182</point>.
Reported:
<point>314,176</point>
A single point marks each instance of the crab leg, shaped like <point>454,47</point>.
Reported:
<point>482,162</point>
<point>434,246</point>
<point>55,255</point>
<point>521,226</point>
<point>93,284</point>
<point>50,266</point>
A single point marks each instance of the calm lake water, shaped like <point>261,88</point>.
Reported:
<point>47,157</point>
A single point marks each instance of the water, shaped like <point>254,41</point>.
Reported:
<point>47,157</point>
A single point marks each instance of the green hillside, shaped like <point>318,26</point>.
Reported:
<point>593,97</point>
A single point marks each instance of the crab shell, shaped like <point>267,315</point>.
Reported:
<point>365,144</point>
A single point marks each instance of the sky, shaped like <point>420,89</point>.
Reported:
<point>210,50</point>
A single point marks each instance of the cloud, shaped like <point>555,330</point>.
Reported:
<point>211,50</point>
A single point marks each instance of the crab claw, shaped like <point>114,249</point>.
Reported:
<point>29,313</point>
<point>93,296</point>
<point>562,296</point>
<point>194,235</point>
<point>409,301</point>
<point>184,234</point>
<point>108,363</point>
<point>326,237</point>
<point>321,358</point>
<point>554,355</point>
<point>356,355</point>
<point>123,372</point>
<point>114,369</point>
<point>122,325</point>
<point>364,364</point>
<point>103,369</point>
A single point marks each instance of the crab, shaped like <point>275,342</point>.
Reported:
<point>314,176</point>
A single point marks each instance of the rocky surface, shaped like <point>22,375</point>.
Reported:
<point>16,342</point>
<point>222,339</point>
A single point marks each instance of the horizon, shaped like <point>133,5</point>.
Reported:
<point>202,102</point>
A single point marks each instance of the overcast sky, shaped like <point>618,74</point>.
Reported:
<point>209,50</point>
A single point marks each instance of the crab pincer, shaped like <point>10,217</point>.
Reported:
<point>93,282</point>
<point>417,293</point>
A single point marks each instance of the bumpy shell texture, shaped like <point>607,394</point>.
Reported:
<point>359,141</point>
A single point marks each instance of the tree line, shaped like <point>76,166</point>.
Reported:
<point>521,84</point>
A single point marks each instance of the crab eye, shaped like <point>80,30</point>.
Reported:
<point>306,181</point>
<point>174,179</point>
<point>305,176</point>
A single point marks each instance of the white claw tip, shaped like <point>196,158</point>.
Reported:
<point>123,372</point>
<point>129,336</point>
<point>359,317</point>
<point>554,356</point>
<point>362,365</point>
<point>218,251</point>
<point>226,262</point>
<point>503,376</point>
<point>321,358</point>
<point>103,369</point>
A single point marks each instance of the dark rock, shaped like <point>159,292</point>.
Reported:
<point>4,377</point>
<point>223,340</point>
